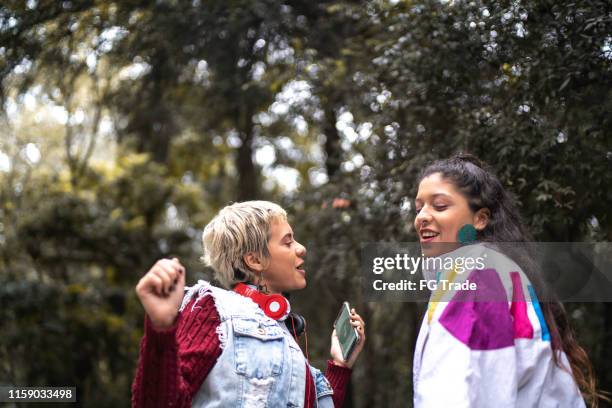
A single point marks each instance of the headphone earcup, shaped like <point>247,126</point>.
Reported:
<point>296,324</point>
<point>276,306</point>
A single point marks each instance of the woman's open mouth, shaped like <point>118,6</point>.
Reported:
<point>427,235</point>
<point>301,270</point>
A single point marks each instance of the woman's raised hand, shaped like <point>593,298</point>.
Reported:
<point>161,292</point>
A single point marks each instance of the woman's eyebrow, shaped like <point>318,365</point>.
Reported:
<point>433,196</point>
<point>289,235</point>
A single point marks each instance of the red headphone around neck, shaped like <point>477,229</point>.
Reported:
<point>274,306</point>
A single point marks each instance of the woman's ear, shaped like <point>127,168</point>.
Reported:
<point>253,262</point>
<point>481,218</point>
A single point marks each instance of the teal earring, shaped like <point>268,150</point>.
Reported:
<point>467,234</point>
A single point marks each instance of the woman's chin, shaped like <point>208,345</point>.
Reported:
<point>299,284</point>
<point>431,249</point>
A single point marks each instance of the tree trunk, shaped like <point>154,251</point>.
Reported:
<point>332,141</point>
<point>247,173</point>
<point>153,123</point>
<point>161,128</point>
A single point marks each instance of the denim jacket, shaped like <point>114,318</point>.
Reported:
<point>261,365</point>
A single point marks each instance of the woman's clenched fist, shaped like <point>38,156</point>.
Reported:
<point>161,292</point>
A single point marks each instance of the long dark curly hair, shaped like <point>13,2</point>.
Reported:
<point>475,180</point>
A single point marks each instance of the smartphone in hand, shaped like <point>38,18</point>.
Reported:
<point>347,334</point>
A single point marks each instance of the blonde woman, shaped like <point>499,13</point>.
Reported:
<point>214,347</point>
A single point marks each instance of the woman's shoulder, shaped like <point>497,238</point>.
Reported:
<point>228,303</point>
<point>500,300</point>
<point>494,256</point>
<point>495,261</point>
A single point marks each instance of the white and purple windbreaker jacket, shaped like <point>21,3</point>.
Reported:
<point>496,353</point>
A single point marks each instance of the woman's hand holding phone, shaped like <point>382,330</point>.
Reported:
<point>336,350</point>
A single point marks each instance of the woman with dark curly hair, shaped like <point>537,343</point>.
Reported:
<point>496,346</point>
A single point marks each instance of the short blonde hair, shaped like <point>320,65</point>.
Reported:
<point>236,230</point>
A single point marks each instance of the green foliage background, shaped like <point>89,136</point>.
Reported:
<point>167,107</point>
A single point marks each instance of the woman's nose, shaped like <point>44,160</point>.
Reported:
<point>422,217</point>
<point>300,250</point>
